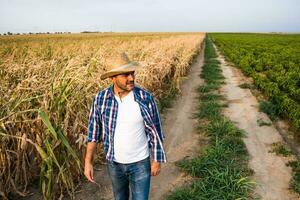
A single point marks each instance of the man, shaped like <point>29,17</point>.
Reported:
<point>126,119</point>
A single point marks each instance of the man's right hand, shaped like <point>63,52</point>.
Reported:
<point>88,164</point>
<point>89,172</point>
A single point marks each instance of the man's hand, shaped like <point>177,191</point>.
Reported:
<point>89,172</point>
<point>88,164</point>
<point>155,168</point>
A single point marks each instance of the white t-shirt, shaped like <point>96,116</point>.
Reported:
<point>130,140</point>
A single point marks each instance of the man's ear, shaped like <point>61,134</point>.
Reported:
<point>112,78</point>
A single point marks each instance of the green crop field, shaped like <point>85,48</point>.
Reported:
<point>273,61</point>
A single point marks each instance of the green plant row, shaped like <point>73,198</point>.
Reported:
<point>221,170</point>
<point>273,61</point>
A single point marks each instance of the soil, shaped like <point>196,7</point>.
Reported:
<point>270,171</point>
<point>181,141</point>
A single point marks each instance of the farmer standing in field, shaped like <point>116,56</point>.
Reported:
<point>126,119</point>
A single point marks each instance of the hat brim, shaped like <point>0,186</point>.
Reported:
<point>121,70</point>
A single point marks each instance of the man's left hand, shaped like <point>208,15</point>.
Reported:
<point>155,168</point>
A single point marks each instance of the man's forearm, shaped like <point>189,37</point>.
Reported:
<point>88,163</point>
<point>90,149</point>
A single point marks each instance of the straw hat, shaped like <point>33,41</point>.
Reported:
<point>119,65</point>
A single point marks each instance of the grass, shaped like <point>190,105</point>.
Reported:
<point>295,181</point>
<point>270,109</point>
<point>210,97</point>
<point>246,86</point>
<point>279,149</point>
<point>223,127</point>
<point>208,87</point>
<point>221,170</point>
<point>210,110</point>
<point>261,122</point>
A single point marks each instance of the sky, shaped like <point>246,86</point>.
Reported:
<point>23,16</point>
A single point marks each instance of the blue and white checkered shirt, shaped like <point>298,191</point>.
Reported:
<point>103,118</point>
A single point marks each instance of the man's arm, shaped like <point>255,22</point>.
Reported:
<point>88,163</point>
<point>156,118</point>
<point>93,137</point>
<point>160,157</point>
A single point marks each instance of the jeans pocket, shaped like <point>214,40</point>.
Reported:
<point>141,170</point>
<point>112,168</point>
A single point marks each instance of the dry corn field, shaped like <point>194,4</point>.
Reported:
<point>47,85</point>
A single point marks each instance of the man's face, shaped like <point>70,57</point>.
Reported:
<point>124,82</point>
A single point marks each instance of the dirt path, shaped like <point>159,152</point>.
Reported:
<point>181,141</point>
<point>181,138</point>
<point>271,173</point>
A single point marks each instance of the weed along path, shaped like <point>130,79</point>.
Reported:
<point>270,171</point>
<point>181,141</point>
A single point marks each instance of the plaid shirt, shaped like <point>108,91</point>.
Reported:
<point>103,118</point>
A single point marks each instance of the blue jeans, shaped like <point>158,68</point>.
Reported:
<point>135,176</point>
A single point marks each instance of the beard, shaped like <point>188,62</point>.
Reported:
<point>127,87</point>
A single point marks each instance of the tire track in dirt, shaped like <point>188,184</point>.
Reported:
<point>271,173</point>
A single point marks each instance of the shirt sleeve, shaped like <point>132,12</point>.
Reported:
<point>156,118</point>
<point>94,126</point>
<point>157,149</point>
